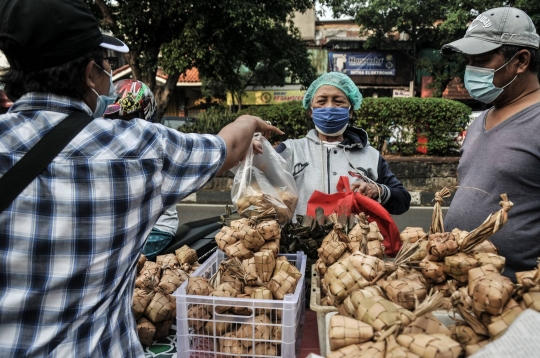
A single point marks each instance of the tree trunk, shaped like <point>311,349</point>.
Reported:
<point>164,93</point>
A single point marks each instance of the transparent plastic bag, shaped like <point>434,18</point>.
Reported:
<point>262,182</point>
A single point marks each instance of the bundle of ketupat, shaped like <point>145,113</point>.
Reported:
<point>261,278</point>
<point>244,237</point>
<point>254,202</point>
<point>467,273</point>
<point>379,321</point>
<point>153,305</point>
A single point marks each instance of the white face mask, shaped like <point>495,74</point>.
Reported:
<point>479,82</point>
<point>103,101</point>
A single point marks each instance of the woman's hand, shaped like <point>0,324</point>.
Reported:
<point>370,190</point>
<point>257,147</point>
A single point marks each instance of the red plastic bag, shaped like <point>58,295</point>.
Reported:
<point>357,203</point>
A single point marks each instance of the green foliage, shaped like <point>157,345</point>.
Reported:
<point>436,118</point>
<point>210,122</point>
<point>218,37</point>
<point>290,117</point>
<point>405,118</point>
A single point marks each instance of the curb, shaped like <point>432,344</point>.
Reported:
<point>418,198</point>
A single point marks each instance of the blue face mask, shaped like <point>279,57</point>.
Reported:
<point>330,120</point>
<point>103,101</point>
<point>479,83</point>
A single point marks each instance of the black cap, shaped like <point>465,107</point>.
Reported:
<point>40,34</point>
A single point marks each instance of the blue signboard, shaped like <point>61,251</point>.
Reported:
<point>363,63</point>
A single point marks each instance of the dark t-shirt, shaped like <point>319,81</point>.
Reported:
<point>504,159</point>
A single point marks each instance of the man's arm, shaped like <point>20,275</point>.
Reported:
<point>238,136</point>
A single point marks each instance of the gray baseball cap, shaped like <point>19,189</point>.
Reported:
<point>494,28</point>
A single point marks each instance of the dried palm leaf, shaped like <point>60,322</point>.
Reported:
<point>341,279</point>
<point>464,334</point>
<point>264,349</point>
<point>458,266</point>
<point>441,245</point>
<point>404,293</point>
<point>230,345</point>
<point>485,258</point>
<point>287,267</point>
<point>141,299</point>
<point>260,330</point>
<point>149,276</point>
<point>269,230</point>
<point>491,293</point>
<point>350,304</point>
<point>394,350</point>
<point>170,280</point>
<point>344,331</point>
<point>459,235</point>
<point>271,246</point>
<point>412,234</point>
<point>198,285</point>
<point>140,262</point>
<point>485,246</point>
<point>426,323</point>
<point>499,324</point>
<point>198,316</point>
<point>160,308</point>
<point>281,284</point>
<point>490,226</point>
<point>216,328</point>
<point>437,224</point>
<point>163,328</point>
<point>225,237</point>
<point>224,290</point>
<point>331,251</point>
<point>473,348</point>
<point>146,331</point>
<point>239,251</point>
<point>431,346</point>
<point>168,260</point>
<point>432,271</point>
<point>186,255</point>
<point>265,264</point>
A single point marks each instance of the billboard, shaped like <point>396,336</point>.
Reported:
<point>269,97</point>
<point>363,63</point>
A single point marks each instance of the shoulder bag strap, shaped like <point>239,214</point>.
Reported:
<point>16,179</point>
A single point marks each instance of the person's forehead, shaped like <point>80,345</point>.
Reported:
<point>484,56</point>
<point>329,90</point>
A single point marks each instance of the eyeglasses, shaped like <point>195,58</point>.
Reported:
<point>113,61</point>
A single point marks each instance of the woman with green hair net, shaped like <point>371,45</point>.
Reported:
<point>336,148</point>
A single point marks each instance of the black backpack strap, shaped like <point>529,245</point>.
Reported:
<point>16,179</point>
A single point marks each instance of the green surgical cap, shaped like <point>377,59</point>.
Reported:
<point>336,79</point>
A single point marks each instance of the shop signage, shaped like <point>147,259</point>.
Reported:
<point>268,97</point>
<point>401,93</point>
<point>363,63</point>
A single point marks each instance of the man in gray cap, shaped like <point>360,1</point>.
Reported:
<point>501,153</point>
<point>70,241</point>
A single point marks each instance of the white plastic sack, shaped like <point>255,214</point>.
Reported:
<point>262,182</point>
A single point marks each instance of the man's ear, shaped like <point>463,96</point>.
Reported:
<point>89,75</point>
<point>524,60</point>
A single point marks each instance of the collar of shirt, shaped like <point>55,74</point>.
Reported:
<point>37,101</point>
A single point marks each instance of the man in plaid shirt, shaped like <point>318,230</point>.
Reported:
<point>69,243</point>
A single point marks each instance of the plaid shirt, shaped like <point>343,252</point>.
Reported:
<point>70,242</point>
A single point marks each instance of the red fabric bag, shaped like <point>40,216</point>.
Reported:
<point>357,203</point>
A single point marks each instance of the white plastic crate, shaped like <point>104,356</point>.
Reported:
<point>193,343</point>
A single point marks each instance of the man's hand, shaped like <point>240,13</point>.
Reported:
<point>370,190</point>
<point>238,135</point>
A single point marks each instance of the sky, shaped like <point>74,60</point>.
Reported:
<point>328,13</point>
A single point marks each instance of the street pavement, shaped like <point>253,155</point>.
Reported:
<point>416,216</point>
